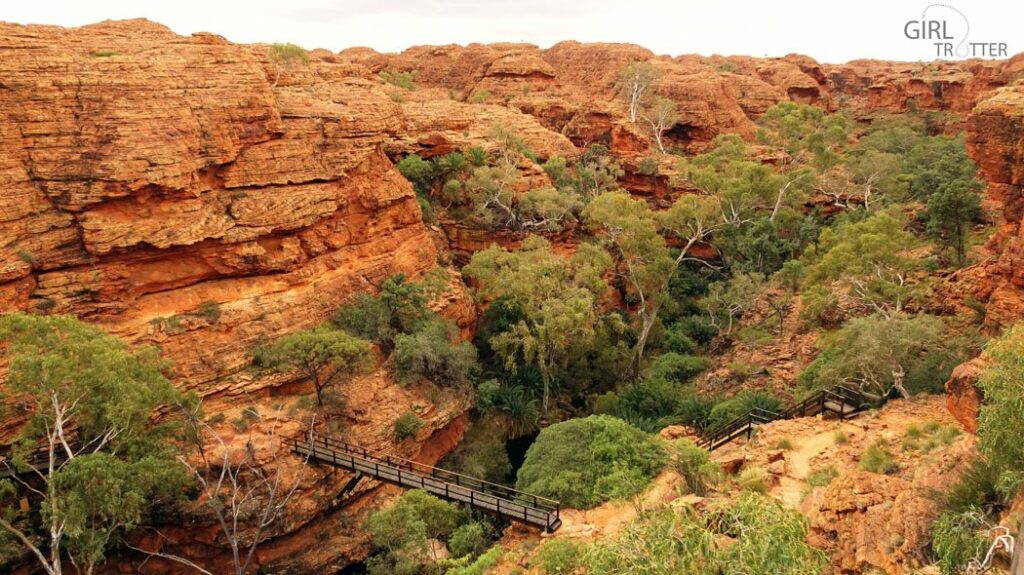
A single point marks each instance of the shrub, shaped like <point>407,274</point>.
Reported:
<point>469,539</point>
<point>784,444</point>
<point>479,97</point>
<point>975,489</point>
<point>1001,418</point>
<point>734,407</point>
<point>583,462</point>
<point>877,460</point>
<point>557,557</point>
<point>104,53</point>
<point>696,467</point>
<point>957,538</point>
<point>697,327</point>
<point>753,479</point>
<point>677,339</point>
<point>763,538</point>
<point>418,171</point>
<point>822,477</point>
<point>400,307</point>
<point>209,310</point>
<point>839,437</point>
<point>401,79</point>
<point>401,531</point>
<point>430,354</point>
<point>695,411</point>
<point>481,453</point>
<point>677,366</point>
<point>407,425</point>
<point>481,566</point>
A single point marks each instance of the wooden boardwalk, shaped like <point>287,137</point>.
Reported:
<point>476,493</point>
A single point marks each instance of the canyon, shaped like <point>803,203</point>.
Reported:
<point>147,177</point>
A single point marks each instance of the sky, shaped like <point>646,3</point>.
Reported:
<point>826,30</point>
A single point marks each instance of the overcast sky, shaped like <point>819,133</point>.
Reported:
<point>826,30</point>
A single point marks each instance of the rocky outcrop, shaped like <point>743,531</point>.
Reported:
<point>871,521</point>
<point>963,396</point>
<point>164,188</point>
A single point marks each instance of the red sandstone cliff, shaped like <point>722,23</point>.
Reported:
<point>145,174</point>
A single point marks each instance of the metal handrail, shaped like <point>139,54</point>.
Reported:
<point>509,494</point>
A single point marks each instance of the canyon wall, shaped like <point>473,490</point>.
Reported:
<point>183,192</point>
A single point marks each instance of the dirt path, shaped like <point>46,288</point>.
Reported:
<point>798,466</point>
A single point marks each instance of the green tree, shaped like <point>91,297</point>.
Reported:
<point>400,533</point>
<point>726,301</point>
<point>1001,417</point>
<point>89,403</point>
<point>557,298</point>
<point>806,142</point>
<point>884,352</point>
<point>324,355</point>
<point>635,80</point>
<point>433,352</point>
<point>583,462</point>
<point>661,114</point>
<point>951,210</point>
<point>634,234</point>
<point>420,173</point>
<point>868,260</point>
<point>399,308</point>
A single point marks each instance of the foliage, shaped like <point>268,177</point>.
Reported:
<point>695,465</point>
<point>470,539</point>
<point>1001,417</point>
<point>958,537</point>
<point>399,308</point>
<point>583,462</point>
<point>324,355</point>
<point>877,459</point>
<point>635,78</point>
<point>433,353</point>
<point>753,479</point>
<point>404,79</point>
<point>407,425</point>
<point>557,299</point>
<point>678,367</point>
<point>661,114</point>
<point>729,409</point>
<point>69,377</point>
<point>418,171</point>
<point>977,488</point>
<point>726,301</point>
<point>951,210</point>
<point>867,260</point>
<point>822,477</point>
<point>764,538</point>
<point>481,453</point>
<point>400,533</point>
<point>912,353</point>
<point>481,566</point>
<point>558,557</point>
<point>286,57</point>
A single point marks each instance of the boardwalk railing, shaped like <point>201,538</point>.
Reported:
<point>477,493</point>
<point>840,400</point>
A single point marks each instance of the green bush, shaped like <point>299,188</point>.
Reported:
<point>481,566</point>
<point>432,353</point>
<point>678,367</point>
<point>839,437</point>
<point>754,535</point>
<point>729,409</point>
<point>976,488</point>
<point>402,79</point>
<point>470,539</point>
<point>822,477</point>
<point>401,532</point>
<point>1001,418</point>
<point>583,462</point>
<point>958,537</point>
<point>557,557</point>
<point>694,410</point>
<point>877,460</point>
<point>677,339</point>
<point>784,444</point>
<point>696,467</point>
<point>753,479</point>
<point>481,453</point>
<point>420,173</point>
<point>407,425</point>
<point>399,308</point>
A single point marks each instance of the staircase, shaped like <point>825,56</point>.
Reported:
<point>476,493</point>
<point>840,400</point>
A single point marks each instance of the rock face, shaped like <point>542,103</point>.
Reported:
<point>180,191</point>
<point>870,521</point>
